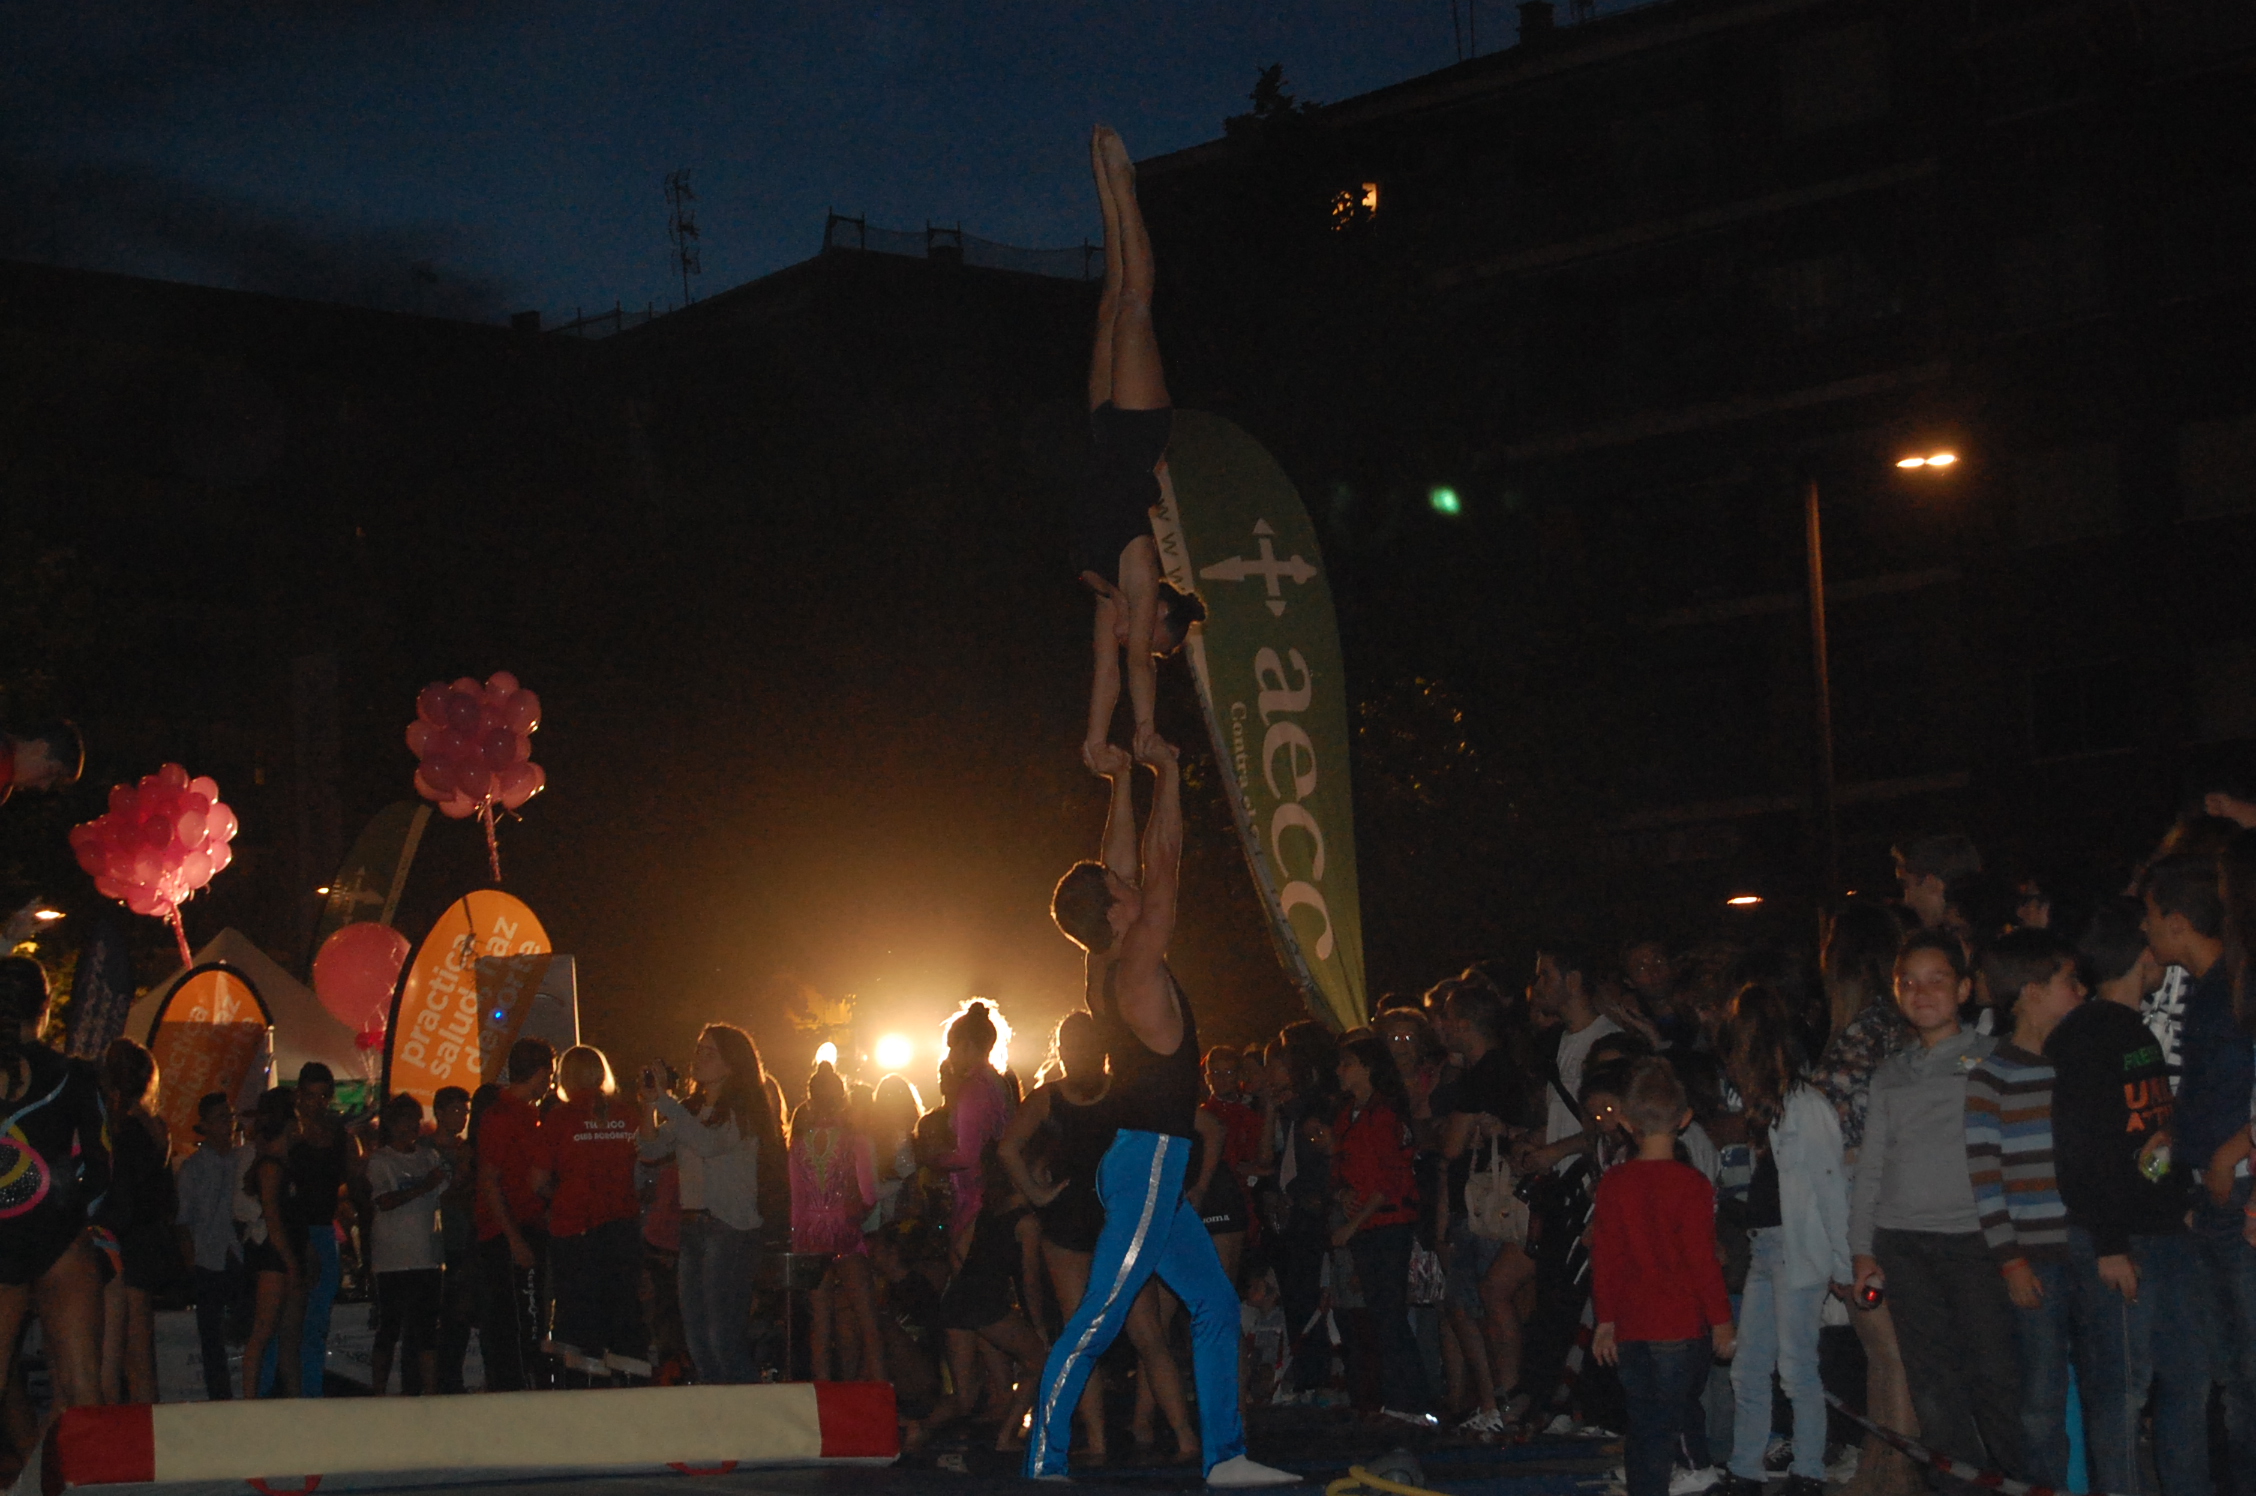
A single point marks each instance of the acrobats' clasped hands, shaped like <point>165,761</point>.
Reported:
<point>1129,423</point>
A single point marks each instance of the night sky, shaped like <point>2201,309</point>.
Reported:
<point>516,151</point>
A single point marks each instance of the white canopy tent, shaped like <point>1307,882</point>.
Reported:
<point>303,1029</point>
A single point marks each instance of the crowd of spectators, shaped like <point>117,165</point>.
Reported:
<point>1974,1173</point>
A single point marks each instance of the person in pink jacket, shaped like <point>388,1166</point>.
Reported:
<point>833,1181</point>
<point>979,1109</point>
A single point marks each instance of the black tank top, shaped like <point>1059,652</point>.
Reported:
<point>1084,1133</point>
<point>315,1173</point>
<point>1151,1092</point>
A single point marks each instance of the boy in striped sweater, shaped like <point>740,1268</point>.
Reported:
<point>2009,1162</point>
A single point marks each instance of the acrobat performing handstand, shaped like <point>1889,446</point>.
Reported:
<point>1124,921</point>
<point>1129,423</point>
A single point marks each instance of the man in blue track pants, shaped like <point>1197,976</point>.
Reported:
<point>1151,1042</point>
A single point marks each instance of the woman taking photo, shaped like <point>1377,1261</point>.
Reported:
<point>1379,1193</point>
<point>272,1256</point>
<point>717,1135</point>
<point>594,1224</point>
<point>833,1179</point>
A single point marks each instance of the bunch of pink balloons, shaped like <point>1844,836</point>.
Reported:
<point>160,842</point>
<point>476,745</point>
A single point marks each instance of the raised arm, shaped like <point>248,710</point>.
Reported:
<point>1117,767</point>
<point>1142,988</point>
<point>1104,683</point>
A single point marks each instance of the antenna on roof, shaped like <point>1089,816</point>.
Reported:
<point>681,227</point>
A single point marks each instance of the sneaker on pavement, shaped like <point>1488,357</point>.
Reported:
<point>1240,1471</point>
<point>1843,1465</point>
<point>1482,1421</point>
<point>1686,1481</point>
<point>1778,1454</point>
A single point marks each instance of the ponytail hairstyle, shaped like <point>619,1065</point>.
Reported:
<point>1761,1054</point>
<point>826,1096</point>
<point>743,1097</point>
<point>971,1037</point>
<point>23,1004</point>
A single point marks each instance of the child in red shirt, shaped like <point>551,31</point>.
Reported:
<point>587,1148</point>
<point>1655,1282</point>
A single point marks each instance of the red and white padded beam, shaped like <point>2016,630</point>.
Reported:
<point>289,1446</point>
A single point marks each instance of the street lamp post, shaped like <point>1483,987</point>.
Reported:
<point>1813,548</point>
<point>1828,822</point>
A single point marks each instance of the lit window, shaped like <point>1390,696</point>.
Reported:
<point>1351,205</point>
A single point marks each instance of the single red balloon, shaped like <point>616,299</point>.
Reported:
<point>356,970</point>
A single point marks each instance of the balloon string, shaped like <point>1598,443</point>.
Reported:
<point>493,847</point>
<point>180,933</point>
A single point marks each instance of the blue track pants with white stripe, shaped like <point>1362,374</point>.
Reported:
<point>1149,1228</point>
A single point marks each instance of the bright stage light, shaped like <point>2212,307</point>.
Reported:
<point>826,1053</point>
<point>1744,900</point>
<point>1931,460</point>
<point>1445,501</point>
<point>894,1052</point>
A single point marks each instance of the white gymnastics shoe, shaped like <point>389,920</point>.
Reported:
<point>1240,1471</point>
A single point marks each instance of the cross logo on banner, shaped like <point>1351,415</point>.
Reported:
<point>1267,567</point>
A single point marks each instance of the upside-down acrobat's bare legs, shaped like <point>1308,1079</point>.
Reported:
<point>1137,381</point>
<point>1124,368</point>
<point>1108,306</point>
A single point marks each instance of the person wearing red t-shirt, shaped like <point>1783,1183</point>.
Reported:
<point>587,1144</point>
<point>1241,1166</point>
<point>1379,1191</point>
<point>1655,1283</point>
<point>513,1224</point>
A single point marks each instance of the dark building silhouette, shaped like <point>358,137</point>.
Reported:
<point>1551,341</point>
<point>788,569</point>
<point>1621,289</point>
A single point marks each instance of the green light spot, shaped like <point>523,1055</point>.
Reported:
<point>1444,501</point>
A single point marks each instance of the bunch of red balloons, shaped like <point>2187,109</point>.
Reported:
<point>476,745</point>
<point>160,842</point>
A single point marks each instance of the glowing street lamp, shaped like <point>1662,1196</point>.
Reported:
<point>46,916</point>
<point>826,1053</point>
<point>1828,824</point>
<point>1744,900</point>
<point>894,1052</point>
